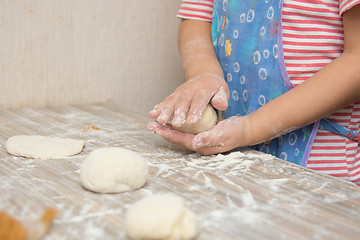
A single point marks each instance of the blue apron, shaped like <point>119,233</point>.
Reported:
<point>247,36</point>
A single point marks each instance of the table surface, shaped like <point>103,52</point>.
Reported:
<point>242,195</point>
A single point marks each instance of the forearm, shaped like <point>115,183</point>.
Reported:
<point>196,49</point>
<point>332,88</point>
<point>329,90</point>
<point>205,82</point>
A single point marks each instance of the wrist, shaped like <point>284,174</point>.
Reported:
<point>248,137</point>
<point>240,131</point>
<point>257,129</point>
<point>264,126</point>
<point>209,75</point>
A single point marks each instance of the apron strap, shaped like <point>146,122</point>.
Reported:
<point>338,129</point>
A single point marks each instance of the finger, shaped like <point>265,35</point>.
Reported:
<point>205,139</point>
<point>181,109</point>
<point>181,139</point>
<point>160,130</point>
<point>155,112</point>
<point>208,143</point>
<point>211,150</point>
<point>215,137</point>
<point>153,126</point>
<point>166,111</point>
<point>179,116</point>
<point>200,100</point>
<point>220,100</point>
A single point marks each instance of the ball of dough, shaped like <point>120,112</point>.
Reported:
<point>44,147</point>
<point>206,122</point>
<point>163,216</point>
<point>113,170</point>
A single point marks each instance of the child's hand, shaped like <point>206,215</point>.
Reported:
<point>220,139</point>
<point>225,136</point>
<point>191,98</point>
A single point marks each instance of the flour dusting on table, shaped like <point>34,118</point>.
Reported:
<point>233,194</point>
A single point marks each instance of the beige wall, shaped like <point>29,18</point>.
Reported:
<point>55,52</point>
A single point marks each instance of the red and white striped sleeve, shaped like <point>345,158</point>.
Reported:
<point>196,9</point>
<point>347,4</point>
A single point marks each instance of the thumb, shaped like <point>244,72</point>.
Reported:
<point>201,140</point>
<point>220,100</point>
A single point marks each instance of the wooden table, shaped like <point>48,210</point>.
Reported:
<point>244,195</point>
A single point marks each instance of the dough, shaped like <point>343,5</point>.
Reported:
<point>113,170</point>
<point>162,216</point>
<point>44,147</point>
<point>206,122</point>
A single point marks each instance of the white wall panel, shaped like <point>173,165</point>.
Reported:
<point>55,52</point>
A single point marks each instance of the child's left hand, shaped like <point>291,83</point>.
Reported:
<point>220,139</point>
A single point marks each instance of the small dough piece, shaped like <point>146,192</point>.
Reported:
<point>206,122</point>
<point>11,228</point>
<point>163,216</point>
<point>43,147</point>
<point>113,170</point>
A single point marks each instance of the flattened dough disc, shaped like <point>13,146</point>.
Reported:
<point>44,147</point>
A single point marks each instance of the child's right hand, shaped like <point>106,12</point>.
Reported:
<point>190,99</point>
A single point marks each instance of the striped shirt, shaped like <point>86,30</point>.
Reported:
<point>313,36</point>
